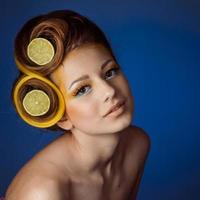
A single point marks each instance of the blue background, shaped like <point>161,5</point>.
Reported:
<point>158,45</point>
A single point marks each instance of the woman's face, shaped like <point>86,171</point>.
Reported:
<point>92,82</point>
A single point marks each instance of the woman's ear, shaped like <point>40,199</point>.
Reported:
<point>65,123</point>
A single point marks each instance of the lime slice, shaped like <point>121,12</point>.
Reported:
<point>40,51</point>
<point>36,103</point>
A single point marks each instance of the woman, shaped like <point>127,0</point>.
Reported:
<point>71,69</point>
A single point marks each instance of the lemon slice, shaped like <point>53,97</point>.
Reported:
<point>40,51</point>
<point>36,103</point>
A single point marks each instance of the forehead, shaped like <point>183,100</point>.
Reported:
<point>81,61</point>
<point>86,58</point>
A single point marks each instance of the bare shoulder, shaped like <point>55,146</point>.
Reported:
<point>140,137</point>
<point>37,188</point>
<point>35,181</point>
<point>140,141</point>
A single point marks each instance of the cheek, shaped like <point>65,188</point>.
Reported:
<point>124,87</point>
<point>82,113</point>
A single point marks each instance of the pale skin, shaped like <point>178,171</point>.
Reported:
<point>99,157</point>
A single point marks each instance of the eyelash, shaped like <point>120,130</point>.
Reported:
<point>77,90</point>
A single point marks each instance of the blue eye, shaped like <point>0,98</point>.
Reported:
<point>81,90</point>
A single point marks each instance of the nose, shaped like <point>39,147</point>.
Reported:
<point>107,91</point>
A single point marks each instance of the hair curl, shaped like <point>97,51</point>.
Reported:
<point>66,30</point>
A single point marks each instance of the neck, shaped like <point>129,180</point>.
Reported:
<point>96,154</point>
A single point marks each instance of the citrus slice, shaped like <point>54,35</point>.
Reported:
<point>40,51</point>
<point>36,103</point>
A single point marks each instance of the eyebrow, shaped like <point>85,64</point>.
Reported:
<point>86,76</point>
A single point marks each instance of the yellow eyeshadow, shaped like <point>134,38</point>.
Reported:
<point>74,92</point>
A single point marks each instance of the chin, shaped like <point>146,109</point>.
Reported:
<point>119,125</point>
<point>110,126</point>
<point>125,123</point>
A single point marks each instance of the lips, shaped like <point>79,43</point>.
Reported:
<point>114,107</point>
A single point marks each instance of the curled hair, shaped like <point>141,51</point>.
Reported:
<point>32,84</point>
<point>66,30</point>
